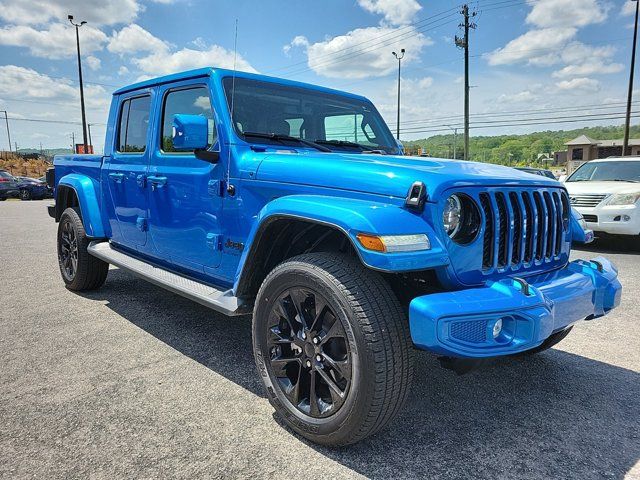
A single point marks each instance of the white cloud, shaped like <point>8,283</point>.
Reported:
<point>525,96</point>
<point>97,12</point>
<point>298,41</point>
<point>425,82</point>
<point>93,62</point>
<point>123,70</point>
<point>591,68</point>
<point>133,38</point>
<point>567,13</point>
<point>351,55</point>
<point>59,41</point>
<point>579,85</point>
<point>165,62</point>
<point>628,8</point>
<point>536,47</point>
<point>395,12</point>
<point>26,83</point>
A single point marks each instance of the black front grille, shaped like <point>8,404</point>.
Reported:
<point>522,226</point>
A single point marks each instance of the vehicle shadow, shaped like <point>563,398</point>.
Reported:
<point>556,414</point>
<point>612,245</point>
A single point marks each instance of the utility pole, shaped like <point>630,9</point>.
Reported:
<point>84,118</point>
<point>627,124</point>
<point>455,140</point>
<point>90,142</point>
<point>6,119</point>
<point>399,57</point>
<point>464,44</point>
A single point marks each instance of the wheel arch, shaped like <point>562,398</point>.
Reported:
<point>333,224</point>
<point>75,190</point>
<point>284,236</point>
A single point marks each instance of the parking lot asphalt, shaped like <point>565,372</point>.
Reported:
<point>132,381</point>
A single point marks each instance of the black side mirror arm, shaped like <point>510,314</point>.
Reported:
<point>207,155</point>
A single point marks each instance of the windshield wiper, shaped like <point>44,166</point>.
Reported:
<point>285,138</point>
<point>622,180</point>
<point>345,143</point>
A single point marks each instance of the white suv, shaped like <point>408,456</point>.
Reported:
<point>607,193</point>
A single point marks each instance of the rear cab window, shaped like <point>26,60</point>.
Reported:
<point>133,128</point>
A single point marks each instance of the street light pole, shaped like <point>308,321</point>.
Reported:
<point>399,57</point>
<point>627,124</point>
<point>84,118</point>
<point>6,119</point>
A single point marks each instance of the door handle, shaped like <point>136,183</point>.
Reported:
<point>156,181</point>
<point>117,177</point>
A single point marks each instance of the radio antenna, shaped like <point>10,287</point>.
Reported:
<point>233,96</point>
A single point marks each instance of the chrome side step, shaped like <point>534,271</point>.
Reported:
<point>222,301</point>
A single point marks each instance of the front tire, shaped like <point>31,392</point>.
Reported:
<point>80,270</point>
<point>333,348</point>
<point>25,195</point>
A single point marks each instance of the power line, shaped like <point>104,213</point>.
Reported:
<point>39,120</point>
<point>525,121</point>
<point>519,124</point>
<point>409,27</point>
<point>373,47</point>
<point>511,113</point>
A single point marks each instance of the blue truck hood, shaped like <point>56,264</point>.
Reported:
<point>388,175</point>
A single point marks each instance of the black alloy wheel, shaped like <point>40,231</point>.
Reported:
<point>68,250</point>
<point>309,352</point>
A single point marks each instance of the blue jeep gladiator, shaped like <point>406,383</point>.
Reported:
<point>294,203</point>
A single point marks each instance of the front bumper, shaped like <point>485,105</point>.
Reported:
<point>617,220</point>
<point>461,323</point>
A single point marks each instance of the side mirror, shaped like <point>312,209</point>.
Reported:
<point>191,133</point>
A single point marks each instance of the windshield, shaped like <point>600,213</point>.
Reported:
<point>334,121</point>
<point>622,171</point>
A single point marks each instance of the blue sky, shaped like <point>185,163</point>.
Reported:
<point>541,59</point>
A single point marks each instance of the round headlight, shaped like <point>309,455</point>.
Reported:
<point>461,218</point>
<point>452,215</point>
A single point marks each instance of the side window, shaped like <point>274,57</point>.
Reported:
<point>191,101</point>
<point>344,127</point>
<point>134,125</point>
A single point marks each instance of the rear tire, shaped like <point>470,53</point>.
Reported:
<point>323,323</point>
<point>80,270</point>
<point>25,195</point>
<point>552,340</point>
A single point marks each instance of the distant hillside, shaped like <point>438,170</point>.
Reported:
<point>47,151</point>
<point>524,149</point>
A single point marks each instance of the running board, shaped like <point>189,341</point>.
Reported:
<point>222,301</point>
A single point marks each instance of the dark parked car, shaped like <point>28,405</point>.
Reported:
<point>537,171</point>
<point>33,189</point>
<point>8,186</point>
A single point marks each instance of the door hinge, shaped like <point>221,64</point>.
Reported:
<point>141,180</point>
<point>214,241</point>
<point>141,223</point>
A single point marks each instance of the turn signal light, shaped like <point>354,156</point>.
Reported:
<point>371,242</point>
<point>394,243</point>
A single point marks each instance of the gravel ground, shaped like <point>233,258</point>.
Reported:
<point>134,382</point>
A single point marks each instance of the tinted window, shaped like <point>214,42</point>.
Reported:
<point>4,174</point>
<point>193,101</point>
<point>134,125</point>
